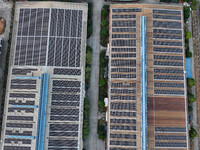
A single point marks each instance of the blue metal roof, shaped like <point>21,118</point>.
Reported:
<point>25,106</point>
<point>188,67</point>
<point>144,139</point>
<point>24,77</point>
<point>42,112</point>
<point>23,137</point>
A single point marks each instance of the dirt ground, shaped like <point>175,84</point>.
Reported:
<point>2,23</point>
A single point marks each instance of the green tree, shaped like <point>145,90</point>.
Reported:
<point>101,105</point>
<point>104,23</point>
<point>186,13</point>
<point>188,54</point>
<point>102,82</point>
<point>190,108</point>
<point>187,35</point>
<point>190,82</point>
<point>88,69</point>
<point>86,114</point>
<point>104,13</point>
<point>88,48</point>
<point>194,4</point>
<point>104,33</point>
<point>193,133</point>
<point>191,98</point>
<point>89,31</point>
<point>88,58</point>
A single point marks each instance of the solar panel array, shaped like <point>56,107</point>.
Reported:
<point>22,111</point>
<point>51,39</point>
<point>168,52</point>
<point>123,70</point>
<point>61,45</point>
<point>64,114</point>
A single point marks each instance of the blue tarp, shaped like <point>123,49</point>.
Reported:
<point>188,68</point>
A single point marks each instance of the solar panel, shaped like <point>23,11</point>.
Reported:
<point>174,85</point>
<point>126,16</point>
<point>168,77</point>
<point>167,17</point>
<point>167,43</point>
<point>122,114</point>
<point>19,125</point>
<point>168,63</point>
<point>17,148</point>
<point>58,143</point>
<point>16,141</point>
<point>124,30</point>
<point>123,10</point>
<point>167,24</point>
<point>123,76</point>
<point>123,42</point>
<point>168,57</point>
<point>123,69</point>
<point>171,71</point>
<point>123,143</point>
<point>124,23</point>
<point>121,62</point>
<point>123,136</point>
<point>167,31</point>
<point>167,50</point>
<point>123,121</point>
<point>124,36</point>
<point>170,129</point>
<point>163,11</point>
<point>170,144</point>
<point>170,137</point>
<point>166,36</point>
<point>61,71</point>
<point>122,106</point>
<point>122,97</point>
<point>122,84</point>
<point>121,127</point>
<point>123,49</point>
<point>169,92</point>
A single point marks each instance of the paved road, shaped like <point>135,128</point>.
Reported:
<point>5,12</point>
<point>194,104</point>
<point>92,143</point>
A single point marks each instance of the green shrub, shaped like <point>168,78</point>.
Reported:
<point>86,121</point>
<point>88,48</point>
<point>104,33</point>
<point>89,22</point>
<point>194,4</point>
<point>186,13</point>
<point>104,23</point>
<point>101,131</point>
<point>191,98</point>
<point>104,13</point>
<point>190,82</point>
<point>188,53</point>
<point>101,105</point>
<point>103,42</point>
<point>102,82</point>
<point>187,35</point>
<point>190,108</point>
<point>88,58</point>
<point>89,31</point>
<point>193,133</point>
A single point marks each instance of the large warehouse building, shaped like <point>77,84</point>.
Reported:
<point>45,89</point>
<point>147,84</point>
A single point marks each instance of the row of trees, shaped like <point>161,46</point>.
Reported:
<point>102,81</point>
<point>104,33</point>
<point>89,23</point>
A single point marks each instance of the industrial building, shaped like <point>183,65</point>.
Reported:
<point>147,93</point>
<point>46,78</point>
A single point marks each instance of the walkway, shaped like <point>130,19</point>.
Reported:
<point>93,143</point>
<point>194,104</point>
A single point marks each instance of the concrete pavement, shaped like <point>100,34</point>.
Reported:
<point>5,12</point>
<point>194,104</point>
<point>93,143</point>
